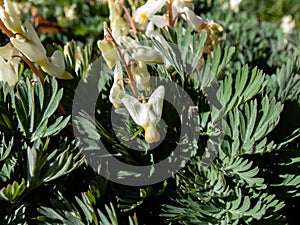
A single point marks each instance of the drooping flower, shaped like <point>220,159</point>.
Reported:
<point>31,46</point>
<point>160,21</point>
<point>7,51</point>
<point>287,24</point>
<point>234,5</point>
<point>9,71</point>
<point>179,5</point>
<point>108,49</point>
<point>141,52</point>
<point>146,11</point>
<point>146,114</point>
<point>196,22</point>
<point>55,66</point>
<point>10,18</point>
<point>147,54</point>
<point>141,75</point>
<point>70,11</point>
<point>118,25</point>
<point>117,87</point>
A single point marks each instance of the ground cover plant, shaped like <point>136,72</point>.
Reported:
<point>149,112</point>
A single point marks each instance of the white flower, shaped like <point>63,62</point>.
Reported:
<point>154,34</point>
<point>146,115</point>
<point>70,11</point>
<point>196,22</point>
<point>145,12</point>
<point>147,54</point>
<point>141,75</point>
<point>7,51</point>
<point>109,51</point>
<point>32,48</point>
<point>160,21</point>
<point>55,66</point>
<point>140,52</point>
<point>9,71</point>
<point>234,5</point>
<point>30,45</point>
<point>10,18</point>
<point>117,87</point>
<point>179,5</point>
<point>287,24</point>
<point>118,25</point>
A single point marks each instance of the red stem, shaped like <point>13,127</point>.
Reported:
<point>5,30</point>
<point>127,66</point>
<point>170,13</point>
<point>132,24</point>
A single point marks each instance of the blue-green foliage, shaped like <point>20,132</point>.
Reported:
<point>254,179</point>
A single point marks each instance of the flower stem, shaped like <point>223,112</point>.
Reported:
<point>131,81</point>
<point>36,70</point>
<point>132,24</point>
<point>170,13</point>
<point>5,30</point>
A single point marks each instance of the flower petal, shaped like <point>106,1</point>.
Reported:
<point>109,52</point>
<point>9,71</point>
<point>151,133</point>
<point>8,50</point>
<point>10,17</point>
<point>138,111</point>
<point>31,51</point>
<point>160,21</point>
<point>196,22</point>
<point>146,11</point>
<point>33,37</point>
<point>141,75</point>
<point>118,86</point>
<point>147,55</point>
<point>156,104</point>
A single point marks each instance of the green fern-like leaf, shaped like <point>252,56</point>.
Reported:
<point>34,105</point>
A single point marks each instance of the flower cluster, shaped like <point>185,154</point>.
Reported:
<point>24,44</point>
<point>123,31</point>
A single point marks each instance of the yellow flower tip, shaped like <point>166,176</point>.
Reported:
<point>117,106</point>
<point>18,30</point>
<point>65,76</point>
<point>105,25</point>
<point>42,63</point>
<point>143,18</point>
<point>151,134</point>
